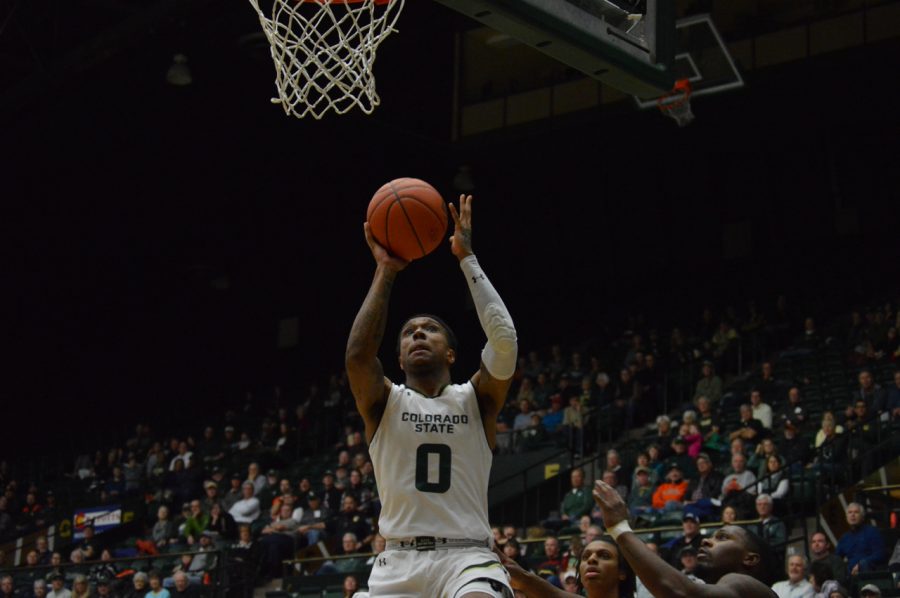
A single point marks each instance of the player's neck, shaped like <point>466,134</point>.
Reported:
<point>429,384</point>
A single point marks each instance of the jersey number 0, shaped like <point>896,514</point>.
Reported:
<point>444,459</point>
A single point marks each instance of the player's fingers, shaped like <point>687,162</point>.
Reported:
<point>455,215</point>
<point>465,203</point>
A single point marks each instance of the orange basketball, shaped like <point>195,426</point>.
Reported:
<point>408,217</point>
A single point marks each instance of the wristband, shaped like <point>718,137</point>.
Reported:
<point>618,529</point>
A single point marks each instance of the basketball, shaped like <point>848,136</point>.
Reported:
<point>408,217</point>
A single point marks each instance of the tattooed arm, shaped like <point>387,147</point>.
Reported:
<point>364,371</point>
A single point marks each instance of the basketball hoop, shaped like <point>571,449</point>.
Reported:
<point>324,51</point>
<point>677,103</point>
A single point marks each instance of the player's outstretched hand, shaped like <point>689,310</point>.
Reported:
<point>381,255</point>
<point>610,503</point>
<point>517,574</point>
<point>461,241</point>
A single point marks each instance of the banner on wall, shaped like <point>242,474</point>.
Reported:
<point>104,519</point>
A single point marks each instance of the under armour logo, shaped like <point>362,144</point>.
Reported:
<point>475,278</point>
<point>382,561</point>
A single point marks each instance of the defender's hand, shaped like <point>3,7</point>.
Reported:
<point>517,574</point>
<point>610,503</point>
<point>381,255</point>
<point>461,241</point>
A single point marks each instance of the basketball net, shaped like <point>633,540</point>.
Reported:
<point>677,103</point>
<point>324,51</point>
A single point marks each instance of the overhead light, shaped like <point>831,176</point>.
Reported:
<point>179,73</point>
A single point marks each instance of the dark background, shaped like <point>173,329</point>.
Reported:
<point>157,234</point>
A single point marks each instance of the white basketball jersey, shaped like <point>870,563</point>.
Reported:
<point>432,462</point>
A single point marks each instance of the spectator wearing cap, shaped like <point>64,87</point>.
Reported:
<point>330,495</point>
<point>211,495</point>
<point>690,536</point>
<point>640,499</point>
<point>870,590</point>
<point>669,495</point>
<point>862,545</point>
<point>796,585</point>
<point>687,559</point>
<point>703,489</point>
<point>196,524</point>
<point>313,521</point>
<point>233,494</point>
<point>247,509</point>
<point>710,385</point>
<point>681,459</point>
<point>58,586</point>
<point>569,581</point>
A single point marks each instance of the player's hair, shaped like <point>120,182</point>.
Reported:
<point>627,586</point>
<point>448,332</point>
<point>766,569</point>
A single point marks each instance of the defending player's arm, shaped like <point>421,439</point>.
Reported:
<point>498,359</point>
<point>364,370</point>
<point>662,579</point>
<point>528,583</point>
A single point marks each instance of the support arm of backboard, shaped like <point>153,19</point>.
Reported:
<point>579,35</point>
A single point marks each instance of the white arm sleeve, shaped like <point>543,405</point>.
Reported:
<point>500,352</point>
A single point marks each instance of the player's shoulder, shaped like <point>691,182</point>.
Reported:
<point>746,586</point>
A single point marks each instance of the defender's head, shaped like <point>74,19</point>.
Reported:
<point>425,342</point>
<point>733,549</point>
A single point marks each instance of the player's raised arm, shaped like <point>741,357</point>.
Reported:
<point>364,369</point>
<point>498,359</point>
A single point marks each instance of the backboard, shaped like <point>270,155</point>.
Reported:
<point>603,39</point>
<point>702,58</point>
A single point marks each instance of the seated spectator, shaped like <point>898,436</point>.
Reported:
<point>821,580</point>
<point>612,479</point>
<point>663,437</point>
<point>576,502</point>
<point>795,586</point>
<point>43,549</point>
<point>115,485</point>
<point>285,490</point>
<point>687,560</point>
<point>184,455</point>
<point>330,495</point>
<point>196,524</point>
<point>750,430</point>
<point>640,499</point>
<point>349,546</point>
<point>350,586</point>
<point>39,589</point>
<point>729,515</point>
<point>615,465</point>
<point>643,460</point>
<point>349,519</point>
<point>57,586</point>
<point>794,448</point>
<point>278,541</point>
<point>105,569</point>
<point>690,433</point>
<point>80,587</point>
<point>869,392</point>
<point>233,494</point>
<point>361,492</point>
<point>312,524</point>
<point>164,531</point>
<point>211,492</point>
<point>139,583</point>
<point>6,586</point>
<point>708,423</point>
<point>89,545</point>
<point>247,509</point>
<point>862,545</point>
<point>792,412</point>
<point>775,482</point>
<point>738,486</point>
<point>690,536</point>
<point>523,419</point>
<point>831,453</point>
<point>820,551</point>
<point>551,565</point>
<point>241,550</point>
<point>822,434</point>
<point>703,489</point>
<point>669,496</point>
<point>156,588</point>
<point>758,462</point>
<point>680,458</point>
<point>534,435</point>
<point>761,411</point>
<point>256,479</point>
<point>771,528</point>
<point>221,523</point>
<point>656,465</point>
<point>710,385</point>
<point>269,491</point>
<point>181,586</point>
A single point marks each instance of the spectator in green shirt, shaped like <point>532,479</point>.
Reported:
<point>196,523</point>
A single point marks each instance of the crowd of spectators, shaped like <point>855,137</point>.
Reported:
<point>238,485</point>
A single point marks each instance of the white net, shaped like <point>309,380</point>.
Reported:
<point>324,51</point>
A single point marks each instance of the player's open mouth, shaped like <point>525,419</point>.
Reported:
<point>702,554</point>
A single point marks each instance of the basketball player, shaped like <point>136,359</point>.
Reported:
<point>733,563</point>
<point>431,440</point>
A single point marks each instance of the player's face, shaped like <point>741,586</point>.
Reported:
<point>423,344</point>
<point>599,566</point>
<point>721,553</point>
